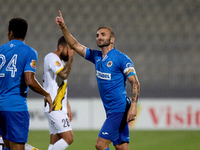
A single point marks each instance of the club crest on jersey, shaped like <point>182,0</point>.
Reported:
<point>109,64</point>
<point>57,64</point>
<point>33,64</point>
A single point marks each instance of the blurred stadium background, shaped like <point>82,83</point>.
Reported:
<point>160,36</point>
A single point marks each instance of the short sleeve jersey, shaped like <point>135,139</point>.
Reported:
<point>111,75</point>
<point>53,83</point>
<point>16,58</point>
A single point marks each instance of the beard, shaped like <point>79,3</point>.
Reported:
<point>105,43</point>
<point>64,57</point>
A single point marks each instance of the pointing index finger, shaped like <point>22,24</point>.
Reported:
<point>60,14</point>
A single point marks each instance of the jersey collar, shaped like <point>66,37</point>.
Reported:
<point>103,59</point>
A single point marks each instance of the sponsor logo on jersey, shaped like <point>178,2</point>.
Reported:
<point>12,45</point>
<point>109,64</point>
<point>98,60</point>
<point>105,76</point>
<point>105,133</point>
<point>57,64</point>
<point>33,64</point>
<point>129,65</point>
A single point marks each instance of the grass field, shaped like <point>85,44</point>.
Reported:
<point>139,140</point>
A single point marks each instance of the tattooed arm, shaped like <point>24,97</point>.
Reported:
<point>64,73</point>
<point>135,90</point>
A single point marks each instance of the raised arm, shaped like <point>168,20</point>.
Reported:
<point>73,43</point>
<point>135,90</point>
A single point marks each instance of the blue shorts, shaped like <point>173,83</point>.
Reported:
<point>14,126</point>
<point>115,128</point>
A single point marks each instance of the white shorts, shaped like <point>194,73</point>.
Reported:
<point>58,122</point>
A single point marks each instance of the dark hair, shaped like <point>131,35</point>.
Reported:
<point>112,34</point>
<point>62,41</point>
<point>19,27</point>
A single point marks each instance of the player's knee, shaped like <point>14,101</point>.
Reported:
<point>102,144</point>
<point>123,145</point>
<point>99,146</point>
<point>70,139</point>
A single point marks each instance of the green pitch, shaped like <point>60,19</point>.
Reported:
<point>139,140</point>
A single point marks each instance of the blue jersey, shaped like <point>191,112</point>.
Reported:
<point>112,72</point>
<point>15,59</point>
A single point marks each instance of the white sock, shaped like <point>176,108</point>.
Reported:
<point>29,147</point>
<point>50,147</point>
<point>1,140</point>
<point>60,145</point>
<point>1,143</point>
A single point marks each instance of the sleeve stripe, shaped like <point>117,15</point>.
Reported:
<point>59,70</point>
<point>30,71</point>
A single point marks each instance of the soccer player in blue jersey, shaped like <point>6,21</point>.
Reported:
<point>113,69</point>
<point>17,73</point>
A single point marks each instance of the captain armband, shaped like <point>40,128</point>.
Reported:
<point>130,71</point>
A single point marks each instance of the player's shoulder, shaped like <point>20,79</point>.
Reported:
<point>50,56</point>
<point>119,54</point>
<point>95,51</point>
<point>2,47</point>
<point>6,46</point>
<point>121,58</point>
<point>98,52</point>
<point>27,49</point>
